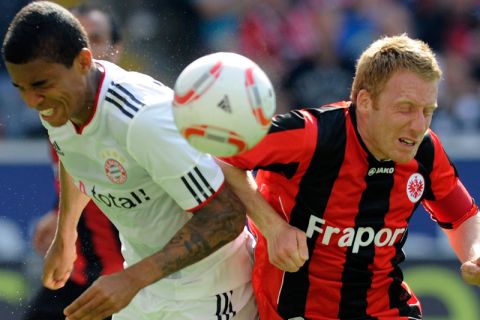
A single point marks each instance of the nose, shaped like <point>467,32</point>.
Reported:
<point>32,98</point>
<point>419,122</point>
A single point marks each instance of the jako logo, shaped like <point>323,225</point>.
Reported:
<point>373,171</point>
<point>135,198</point>
<point>355,238</point>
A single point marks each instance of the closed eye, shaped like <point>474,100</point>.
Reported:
<point>40,84</point>
<point>405,109</point>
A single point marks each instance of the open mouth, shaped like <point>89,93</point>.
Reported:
<point>47,112</point>
<point>407,142</point>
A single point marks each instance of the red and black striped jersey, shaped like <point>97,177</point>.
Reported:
<point>314,169</point>
<point>98,244</point>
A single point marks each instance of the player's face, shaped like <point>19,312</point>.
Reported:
<point>58,93</point>
<point>396,122</point>
<point>99,32</point>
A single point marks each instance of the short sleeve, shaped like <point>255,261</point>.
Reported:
<point>284,144</point>
<point>451,204</point>
<point>190,177</point>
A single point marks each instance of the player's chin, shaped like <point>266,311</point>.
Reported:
<point>404,154</point>
<point>404,157</point>
<point>57,123</point>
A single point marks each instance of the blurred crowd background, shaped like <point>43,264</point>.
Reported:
<point>308,48</point>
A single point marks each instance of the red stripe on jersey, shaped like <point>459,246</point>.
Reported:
<point>103,236</point>
<point>98,247</point>
<point>105,239</point>
<point>325,274</point>
<point>207,201</point>
<point>443,174</point>
<point>360,208</point>
<point>453,204</point>
<point>55,161</point>
<point>453,209</point>
<point>280,192</point>
<point>379,301</point>
<point>78,273</point>
<point>79,130</point>
<point>287,148</point>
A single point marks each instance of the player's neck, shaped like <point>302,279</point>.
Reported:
<point>94,79</point>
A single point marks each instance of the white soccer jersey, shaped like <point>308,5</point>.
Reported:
<point>132,161</point>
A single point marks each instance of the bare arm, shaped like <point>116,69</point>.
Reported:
<point>211,227</point>
<point>61,255</point>
<point>72,203</point>
<point>465,241</point>
<point>44,232</point>
<point>287,246</point>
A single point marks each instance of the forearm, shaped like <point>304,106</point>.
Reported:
<point>287,245</point>
<point>72,202</point>
<point>210,228</point>
<point>245,187</point>
<point>465,239</point>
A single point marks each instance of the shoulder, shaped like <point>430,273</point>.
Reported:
<point>300,118</point>
<point>134,100</point>
<point>127,94</point>
<point>130,87</point>
<point>429,146</point>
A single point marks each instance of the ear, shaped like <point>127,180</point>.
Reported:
<point>83,61</point>
<point>364,101</point>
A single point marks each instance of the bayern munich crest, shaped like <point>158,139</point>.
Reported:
<point>115,171</point>
<point>415,187</point>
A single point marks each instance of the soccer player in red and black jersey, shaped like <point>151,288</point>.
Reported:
<point>98,245</point>
<point>341,183</point>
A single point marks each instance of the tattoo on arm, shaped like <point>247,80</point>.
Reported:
<point>211,227</point>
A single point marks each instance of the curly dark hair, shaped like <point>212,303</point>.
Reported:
<point>44,30</point>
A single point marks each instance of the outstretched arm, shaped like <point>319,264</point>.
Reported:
<point>211,227</point>
<point>62,253</point>
<point>287,245</point>
<point>465,241</point>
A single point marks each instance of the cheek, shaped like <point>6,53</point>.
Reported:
<point>386,131</point>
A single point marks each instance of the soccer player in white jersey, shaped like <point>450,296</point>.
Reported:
<point>180,225</point>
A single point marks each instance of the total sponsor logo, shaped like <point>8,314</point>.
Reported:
<point>128,201</point>
<point>353,237</point>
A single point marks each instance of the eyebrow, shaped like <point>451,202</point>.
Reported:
<point>38,83</point>
<point>411,102</point>
<point>34,84</point>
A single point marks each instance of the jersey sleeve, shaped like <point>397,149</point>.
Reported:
<point>282,147</point>
<point>452,203</point>
<point>190,177</point>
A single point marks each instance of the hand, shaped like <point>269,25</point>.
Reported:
<point>58,264</point>
<point>45,232</point>
<point>471,272</point>
<point>106,296</point>
<point>287,247</point>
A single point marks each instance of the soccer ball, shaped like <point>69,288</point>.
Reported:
<point>223,103</point>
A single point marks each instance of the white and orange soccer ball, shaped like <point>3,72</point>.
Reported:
<point>223,103</point>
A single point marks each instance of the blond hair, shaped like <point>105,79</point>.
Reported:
<point>390,54</point>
